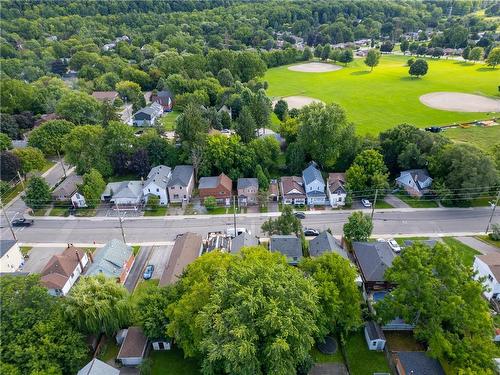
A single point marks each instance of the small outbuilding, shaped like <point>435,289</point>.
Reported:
<point>98,367</point>
<point>161,344</point>
<point>134,347</point>
<point>374,336</point>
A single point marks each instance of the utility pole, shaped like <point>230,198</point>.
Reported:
<point>493,212</point>
<point>8,221</point>
<point>62,164</point>
<point>234,215</point>
<point>21,180</point>
<point>120,219</point>
<point>374,203</point>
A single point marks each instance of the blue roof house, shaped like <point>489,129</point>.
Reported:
<point>314,185</point>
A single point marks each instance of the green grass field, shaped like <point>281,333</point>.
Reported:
<point>361,360</point>
<point>388,96</point>
<point>465,252</point>
<point>483,138</point>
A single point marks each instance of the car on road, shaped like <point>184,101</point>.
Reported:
<point>434,129</point>
<point>148,272</point>
<point>311,232</point>
<point>22,222</point>
<point>299,215</point>
<point>366,202</point>
<point>394,245</point>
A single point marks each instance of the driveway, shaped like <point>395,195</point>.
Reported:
<point>39,256</point>
<point>479,245</point>
<point>159,259</point>
<point>395,201</point>
<point>138,267</point>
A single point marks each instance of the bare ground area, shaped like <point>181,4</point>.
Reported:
<point>314,67</point>
<point>298,101</point>
<point>460,102</point>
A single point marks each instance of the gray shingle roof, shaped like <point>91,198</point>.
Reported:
<point>419,363</point>
<point>208,182</point>
<point>374,331</point>
<point>109,260</point>
<point>311,173</point>
<point>152,110</point>
<point>98,367</point>
<point>160,175</point>
<point>325,242</point>
<point>244,183</point>
<point>181,175</point>
<point>68,186</point>
<point>5,246</point>
<point>242,240</point>
<point>124,189</point>
<point>288,245</point>
<point>374,259</point>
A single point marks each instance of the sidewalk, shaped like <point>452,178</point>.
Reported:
<point>479,245</point>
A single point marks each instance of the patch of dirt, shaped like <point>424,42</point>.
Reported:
<point>314,67</point>
<point>298,101</point>
<point>460,102</point>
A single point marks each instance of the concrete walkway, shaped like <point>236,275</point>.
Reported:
<point>479,245</point>
<point>395,201</point>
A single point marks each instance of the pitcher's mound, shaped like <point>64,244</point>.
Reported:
<point>314,67</point>
<point>298,101</point>
<point>459,102</point>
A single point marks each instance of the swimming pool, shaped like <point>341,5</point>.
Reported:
<point>378,296</point>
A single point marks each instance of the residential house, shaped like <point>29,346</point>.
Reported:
<point>416,182</point>
<point>98,367</point>
<point>11,258</point>
<point>248,189</point>
<point>61,272</point>
<point>373,259</point>
<point>134,347</point>
<point>165,98</point>
<point>336,190</point>
<point>374,336</point>
<point>226,109</point>
<point>219,187</point>
<point>314,185</point>
<point>417,363</point>
<point>78,200</point>
<point>65,190</point>
<point>487,267</point>
<point>147,116</point>
<point>289,246</point>
<point>105,96</point>
<point>292,190</point>
<point>243,240</point>
<point>323,243</point>
<point>114,260</point>
<point>124,194</point>
<point>181,184</point>
<point>156,183</point>
<point>186,249</point>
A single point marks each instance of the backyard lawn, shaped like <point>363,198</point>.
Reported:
<point>326,358</point>
<point>172,362</point>
<point>388,96</point>
<point>481,137</point>
<point>361,360</point>
<point>416,202</point>
<point>168,120</point>
<point>465,252</point>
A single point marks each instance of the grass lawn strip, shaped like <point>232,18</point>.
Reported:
<point>172,362</point>
<point>383,204</point>
<point>160,211</point>
<point>401,240</point>
<point>482,137</point>
<point>465,252</point>
<point>361,360</point>
<point>489,241</point>
<point>416,202</point>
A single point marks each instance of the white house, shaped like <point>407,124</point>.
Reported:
<point>488,267</point>
<point>314,185</point>
<point>336,190</point>
<point>11,257</point>
<point>415,181</point>
<point>157,182</point>
<point>147,116</point>
<point>124,194</point>
<point>78,200</point>
<point>62,271</point>
<point>374,336</point>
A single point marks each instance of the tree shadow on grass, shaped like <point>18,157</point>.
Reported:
<point>360,73</point>
<point>464,63</point>
<point>411,78</point>
<point>485,69</point>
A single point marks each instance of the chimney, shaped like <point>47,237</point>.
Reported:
<point>79,260</point>
<point>91,257</point>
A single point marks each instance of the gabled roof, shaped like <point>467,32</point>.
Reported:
<point>5,246</point>
<point>417,175</point>
<point>59,268</point>
<point>124,189</point>
<point>325,242</point>
<point>290,183</point>
<point>242,240</point>
<point>98,367</point>
<point>186,249</point>
<point>492,260</point>
<point>134,345</point>
<point>153,109</point>
<point>288,245</point>
<point>181,175</point>
<point>110,259</point>
<point>374,331</point>
<point>160,175</point>
<point>214,182</point>
<point>311,174</point>
<point>68,186</point>
<point>336,181</point>
<point>105,95</point>
<point>374,259</point>
<point>244,183</point>
<point>419,363</point>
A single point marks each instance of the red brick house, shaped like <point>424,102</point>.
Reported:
<point>219,187</point>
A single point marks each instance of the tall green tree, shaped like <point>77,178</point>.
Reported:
<point>98,304</point>
<point>419,68</point>
<point>368,172</point>
<point>285,224</point>
<point>10,165</point>
<point>31,158</point>
<point>131,92</point>
<point>37,194</point>
<point>372,58</point>
<point>79,108</point>
<point>48,136</point>
<point>493,58</point>
<point>245,125</point>
<point>476,54</point>
<point>151,310</point>
<point>92,187</point>
<point>281,109</point>
<point>359,227</point>
<point>190,125</point>
<point>438,293</point>
<point>339,296</point>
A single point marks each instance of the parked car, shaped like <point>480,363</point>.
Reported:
<point>230,231</point>
<point>300,215</point>
<point>311,232</point>
<point>366,202</point>
<point>148,272</point>
<point>22,222</point>
<point>394,245</point>
<point>434,129</point>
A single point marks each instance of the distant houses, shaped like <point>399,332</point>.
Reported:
<point>164,98</point>
<point>487,268</point>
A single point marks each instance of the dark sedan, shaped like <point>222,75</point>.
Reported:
<point>22,222</point>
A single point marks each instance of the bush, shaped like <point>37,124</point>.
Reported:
<point>495,232</point>
<point>410,61</point>
<point>210,203</point>
<point>153,202</point>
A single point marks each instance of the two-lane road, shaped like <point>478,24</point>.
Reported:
<point>145,230</point>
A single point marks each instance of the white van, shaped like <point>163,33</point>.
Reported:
<point>230,231</point>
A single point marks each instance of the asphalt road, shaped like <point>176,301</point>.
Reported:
<point>145,230</point>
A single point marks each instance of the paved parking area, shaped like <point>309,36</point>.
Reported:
<point>38,258</point>
<point>159,258</point>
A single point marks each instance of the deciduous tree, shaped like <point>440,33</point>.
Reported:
<point>285,224</point>
<point>92,187</point>
<point>31,158</point>
<point>418,68</point>
<point>245,125</point>
<point>368,171</point>
<point>372,58</point>
<point>48,136</point>
<point>9,165</point>
<point>79,108</point>
<point>281,109</point>
<point>5,142</point>
<point>37,194</point>
<point>493,58</point>
<point>358,227</point>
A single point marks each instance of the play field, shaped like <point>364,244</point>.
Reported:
<point>388,96</point>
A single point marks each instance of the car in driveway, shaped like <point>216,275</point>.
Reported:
<point>299,215</point>
<point>22,222</point>
<point>148,272</point>
<point>311,232</point>
<point>366,203</point>
<point>394,245</point>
